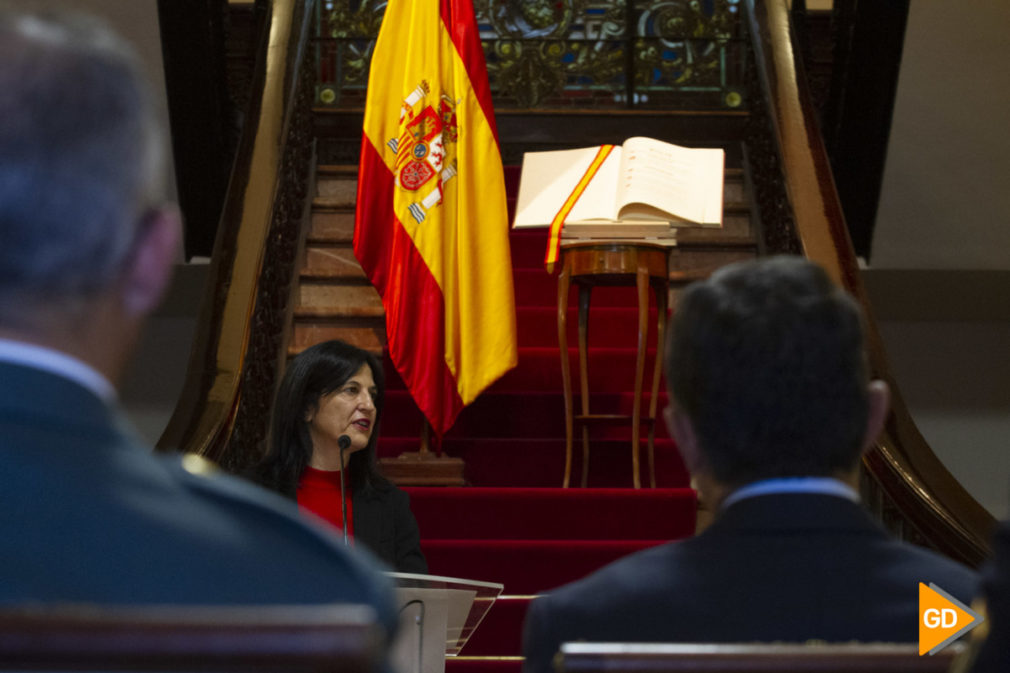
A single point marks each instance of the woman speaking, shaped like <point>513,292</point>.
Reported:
<point>322,444</point>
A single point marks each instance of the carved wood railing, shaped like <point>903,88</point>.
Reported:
<point>224,407</point>
<point>907,484</point>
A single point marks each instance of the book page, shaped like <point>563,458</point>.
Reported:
<point>548,178</point>
<point>665,181</point>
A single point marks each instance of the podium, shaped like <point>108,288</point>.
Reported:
<point>437,616</point>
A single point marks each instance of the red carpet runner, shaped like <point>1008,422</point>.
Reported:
<point>513,524</point>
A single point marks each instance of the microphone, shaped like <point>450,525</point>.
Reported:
<point>344,442</point>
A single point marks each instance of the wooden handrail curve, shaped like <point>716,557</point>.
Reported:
<point>238,346</point>
<point>910,487</point>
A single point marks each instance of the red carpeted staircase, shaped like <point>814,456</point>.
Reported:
<point>533,539</point>
<point>513,524</point>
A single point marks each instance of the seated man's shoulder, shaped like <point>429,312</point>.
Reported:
<point>909,561</point>
<point>150,528</point>
<point>259,536</point>
<point>634,579</point>
<point>245,505</point>
<point>621,601</point>
<point>206,480</point>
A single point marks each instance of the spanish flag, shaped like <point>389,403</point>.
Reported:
<point>431,228</point>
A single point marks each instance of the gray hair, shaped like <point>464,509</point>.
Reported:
<point>80,158</point>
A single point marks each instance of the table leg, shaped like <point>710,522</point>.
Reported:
<point>662,291</point>
<point>642,282</point>
<point>584,296</point>
<point>564,280</point>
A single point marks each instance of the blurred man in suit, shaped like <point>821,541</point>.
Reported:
<point>993,651</point>
<point>86,249</point>
<point>771,408</point>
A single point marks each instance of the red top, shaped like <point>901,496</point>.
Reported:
<point>319,493</point>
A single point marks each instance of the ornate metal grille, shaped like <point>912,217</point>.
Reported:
<point>576,54</point>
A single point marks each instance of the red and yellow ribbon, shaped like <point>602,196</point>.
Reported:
<point>554,239</point>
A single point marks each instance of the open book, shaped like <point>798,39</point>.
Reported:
<point>644,183</point>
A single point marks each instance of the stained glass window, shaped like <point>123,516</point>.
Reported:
<point>578,54</point>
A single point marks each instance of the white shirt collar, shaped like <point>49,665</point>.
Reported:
<point>60,364</point>
<point>819,485</point>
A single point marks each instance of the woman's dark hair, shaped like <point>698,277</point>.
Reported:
<point>313,373</point>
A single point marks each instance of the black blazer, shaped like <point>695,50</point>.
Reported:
<point>785,567</point>
<point>385,525</point>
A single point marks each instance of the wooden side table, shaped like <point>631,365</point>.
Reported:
<point>593,263</point>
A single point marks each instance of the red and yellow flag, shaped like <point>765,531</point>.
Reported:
<point>431,229</point>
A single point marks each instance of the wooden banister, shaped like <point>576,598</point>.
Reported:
<point>909,485</point>
<point>239,345</point>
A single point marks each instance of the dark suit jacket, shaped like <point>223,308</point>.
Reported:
<point>788,567</point>
<point>384,523</point>
<point>994,655</point>
<point>90,515</point>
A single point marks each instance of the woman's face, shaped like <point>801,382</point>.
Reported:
<point>348,410</point>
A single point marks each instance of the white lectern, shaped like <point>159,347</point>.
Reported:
<point>437,616</point>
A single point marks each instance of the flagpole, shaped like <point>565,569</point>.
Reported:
<point>425,448</point>
<point>426,466</point>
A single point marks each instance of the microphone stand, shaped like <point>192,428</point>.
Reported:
<point>344,442</point>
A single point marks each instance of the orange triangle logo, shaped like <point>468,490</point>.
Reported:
<point>942,619</point>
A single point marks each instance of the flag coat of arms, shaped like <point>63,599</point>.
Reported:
<point>431,228</point>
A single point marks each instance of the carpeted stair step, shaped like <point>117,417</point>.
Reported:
<point>539,368</point>
<point>537,463</point>
<point>553,513</point>
<point>500,632</point>
<point>517,414</point>
<point>526,567</point>
<point>536,287</point>
<point>609,326</point>
<point>528,247</point>
<point>609,369</point>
